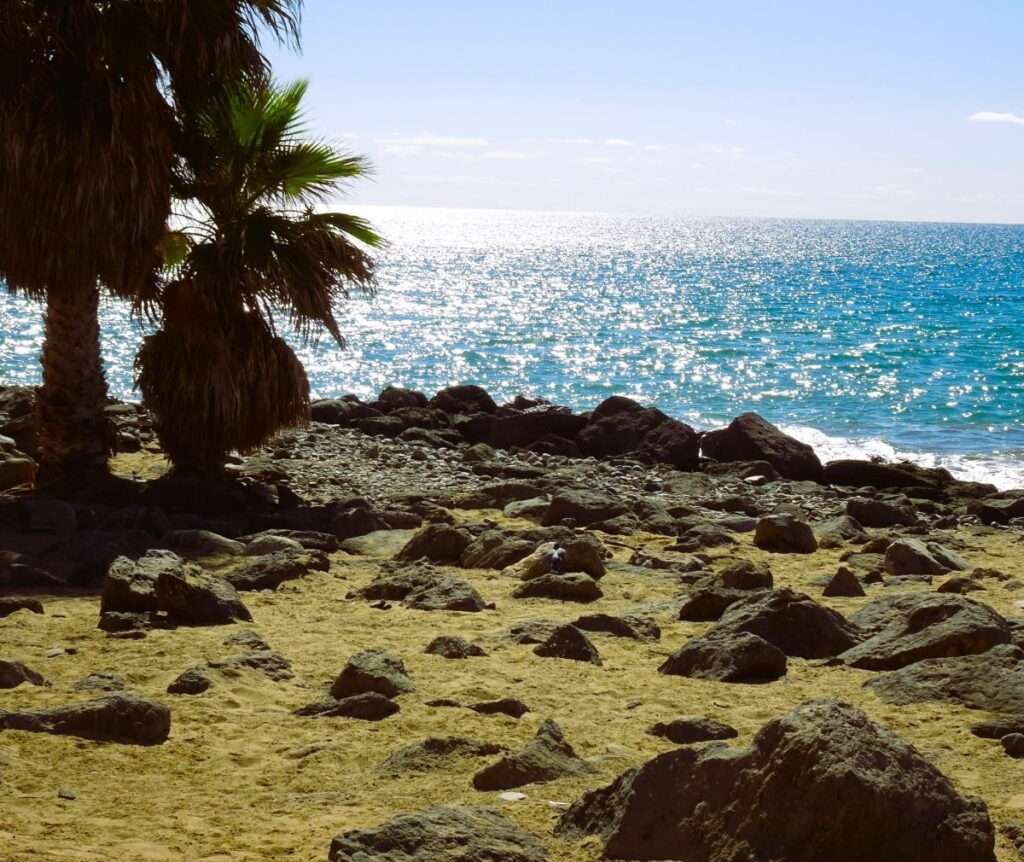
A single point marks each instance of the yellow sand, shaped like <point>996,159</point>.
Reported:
<point>228,786</point>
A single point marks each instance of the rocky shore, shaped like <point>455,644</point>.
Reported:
<point>362,640</point>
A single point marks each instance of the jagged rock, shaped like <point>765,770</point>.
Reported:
<point>583,507</point>
<point>1013,744</point>
<point>546,757</point>
<point>423,587</point>
<point>497,495</point>
<point>249,639</point>
<point>192,597</point>
<point>130,586</point>
<point>843,583</point>
<point>202,543</point>
<point>573,587</point>
<point>504,706</point>
<point>532,631</point>
<point>13,604</point>
<point>583,553</point>
<point>619,425</point>
<point>395,397</point>
<point>836,531</point>
<point>784,534</point>
<point>440,834</point>
<point>749,437</point>
<point>108,682</point>
<point>439,543</point>
<point>960,585</point>
<point>436,753</point>
<point>125,718</point>
<point>721,804</point>
<point>727,657</point>
<point>707,603</point>
<point>14,673</point>
<point>683,731</point>
<point>702,536</point>
<point>532,509</point>
<point>793,622</point>
<point>881,513</point>
<point>914,557</point>
<point>261,546</point>
<point>997,728</point>
<point>746,575</point>
<point>997,510</point>
<point>270,664</point>
<point>570,643</point>
<point>116,621</point>
<point>907,628</point>
<point>992,681</point>
<point>859,474</point>
<point>529,426</point>
<point>270,571</point>
<point>450,646</point>
<point>367,706</point>
<point>372,670</point>
<point>463,399</point>
<point>671,442</point>
<point>629,626</point>
<point>195,680</point>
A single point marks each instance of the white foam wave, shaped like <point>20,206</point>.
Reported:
<point>1004,470</point>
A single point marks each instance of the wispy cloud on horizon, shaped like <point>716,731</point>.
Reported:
<point>425,139</point>
<point>996,117</point>
<point>618,142</point>
<point>506,155</point>
<point>578,142</point>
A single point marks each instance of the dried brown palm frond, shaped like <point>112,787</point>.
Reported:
<point>213,390</point>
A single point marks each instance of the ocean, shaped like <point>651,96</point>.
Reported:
<point>861,338</point>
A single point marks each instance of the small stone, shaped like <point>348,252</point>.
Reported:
<point>65,793</point>
<point>511,796</point>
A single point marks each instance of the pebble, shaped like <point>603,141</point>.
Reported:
<point>64,793</point>
<point>511,796</point>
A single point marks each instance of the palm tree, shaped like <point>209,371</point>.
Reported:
<point>216,376</point>
<point>88,107</point>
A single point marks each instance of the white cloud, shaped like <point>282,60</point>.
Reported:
<point>428,140</point>
<point>734,152</point>
<point>655,148</point>
<point>596,160</point>
<point>996,117</point>
<point>697,166</point>
<point>618,142</point>
<point>506,155</point>
<point>574,142</point>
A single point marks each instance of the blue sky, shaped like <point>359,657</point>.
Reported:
<point>824,109</point>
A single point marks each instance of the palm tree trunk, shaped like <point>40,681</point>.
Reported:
<point>74,436</point>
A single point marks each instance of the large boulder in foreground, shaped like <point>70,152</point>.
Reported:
<point>126,718</point>
<point>822,782</point>
<point>440,834</point>
<point>750,437</point>
<point>727,657</point>
<point>992,680</point>
<point>910,627</point>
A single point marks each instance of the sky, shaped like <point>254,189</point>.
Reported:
<point>869,110</point>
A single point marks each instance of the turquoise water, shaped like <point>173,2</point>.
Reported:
<point>882,338</point>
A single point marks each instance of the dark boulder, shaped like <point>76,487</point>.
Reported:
<point>394,397</point>
<point>746,575</point>
<point>672,442</point>
<point>860,474</point>
<point>440,834</point>
<point>707,603</point>
<point>992,681</point>
<point>463,399</point>
<point>628,626</point>
<point>14,673</point>
<point>684,731</point>
<point>546,757</point>
<point>372,670</point>
<point>195,680</point>
<point>834,532</point>
<point>509,706</point>
<point>872,512</point>
<point>12,604</point>
<point>784,534</point>
<point>573,587</point>
<point>909,627</point>
<point>453,647</point>
<point>271,570</point>
<point>583,507</point>
<point>916,557</point>
<point>727,657</point>
<point>125,718</point>
<point>568,642</point>
<point>439,543</point>
<point>530,426</point>
<point>621,432</point>
<point>190,596</point>
<point>749,437</point>
<point>843,583</point>
<point>436,753</point>
<point>793,622</point>
<point>773,799</point>
<point>367,706</point>
<point>997,510</point>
